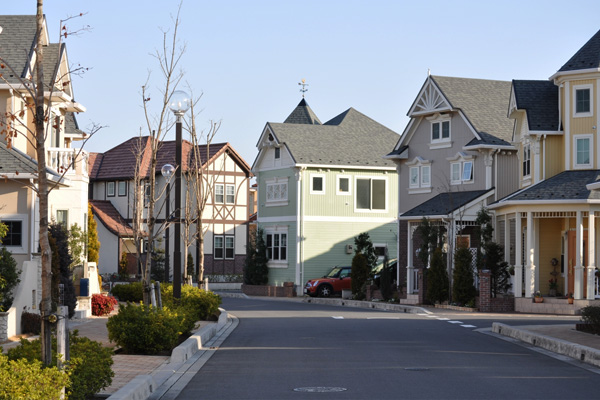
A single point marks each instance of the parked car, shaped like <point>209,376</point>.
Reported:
<point>392,267</point>
<point>334,282</point>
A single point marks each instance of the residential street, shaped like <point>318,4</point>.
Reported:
<point>282,349</point>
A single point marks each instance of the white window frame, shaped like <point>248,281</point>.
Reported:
<point>124,188</point>
<point>455,180</point>
<point>576,139</point>
<point>459,163</point>
<point>278,231</point>
<point>526,163</point>
<point>219,193</point>
<point>589,113</point>
<point>441,142</point>
<point>110,189</point>
<point>340,192</point>
<point>277,153</point>
<point>215,247</point>
<point>421,170</point>
<point>228,195</point>
<point>66,214</point>
<point>229,244</point>
<point>22,218</point>
<point>381,246</point>
<point>312,178</point>
<point>279,188</point>
<point>371,209</point>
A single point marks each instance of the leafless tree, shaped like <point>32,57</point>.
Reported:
<point>37,92</point>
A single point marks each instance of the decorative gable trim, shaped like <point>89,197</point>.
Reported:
<point>461,156</point>
<point>429,100</point>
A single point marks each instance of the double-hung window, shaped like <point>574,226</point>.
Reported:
<point>219,193</point>
<point>371,194</point>
<point>110,189</point>
<point>526,160</point>
<point>583,101</point>
<point>62,217</point>
<point>14,235</point>
<point>317,184</point>
<point>583,151</point>
<point>122,188</point>
<point>224,247</point>
<point>230,194</point>
<point>277,246</point>
<point>440,131</point>
<point>218,248</point>
<point>419,175</point>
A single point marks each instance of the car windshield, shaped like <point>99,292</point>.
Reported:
<point>334,273</point>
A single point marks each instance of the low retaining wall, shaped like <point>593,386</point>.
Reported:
<point>287,290</point>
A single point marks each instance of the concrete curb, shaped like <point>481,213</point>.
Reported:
<point>142,386</point>
<point>581,353</point>
<point>373,305</point>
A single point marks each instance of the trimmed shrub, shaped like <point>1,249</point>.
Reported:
<point>385,280</point>
<point>437,279</point>
<point>31,323</point>
<point>360,275</point>
<point>9,278</point>
<point>256,271</point>
<point>201,304</point>
<point>148,330</point>
<point>89,368</point>
<point>23,379</point>
<point>591,316</point>
<point>103,305</point>
<point>131,292</point>
<point>463,287</point>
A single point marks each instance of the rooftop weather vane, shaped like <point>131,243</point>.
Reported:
<point>304,85</point>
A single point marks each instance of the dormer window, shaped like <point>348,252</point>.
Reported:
<point>440,131</point>
<point>461,168</point>
<point>583,101</point>
<point>419,176</point>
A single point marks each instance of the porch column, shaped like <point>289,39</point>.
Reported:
<point>578,287</point>
<point>410,284</point>
<point>530,268</point>
<point>517,284</point>
<point>591,267</point>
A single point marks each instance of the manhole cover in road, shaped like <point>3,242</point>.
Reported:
<point>416,369</point>
<point>320,389</point>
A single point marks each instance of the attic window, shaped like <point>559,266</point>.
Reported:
<point>440,131</point>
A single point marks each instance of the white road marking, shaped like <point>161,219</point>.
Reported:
<point>455,322</point>
<point>443,319</point>
<point>384,318</point>
<point>468,326</point>
<point>337,317</point>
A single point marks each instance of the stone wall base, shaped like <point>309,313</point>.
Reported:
<point>287,290</point>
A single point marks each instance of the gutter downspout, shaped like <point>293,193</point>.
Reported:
<point>544,159</point>
<point>299,231</point>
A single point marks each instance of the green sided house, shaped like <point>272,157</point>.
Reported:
<point>319,186</point>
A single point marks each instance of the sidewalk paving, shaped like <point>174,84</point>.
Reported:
<point>560,338</point>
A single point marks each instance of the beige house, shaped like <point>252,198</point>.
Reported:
<point>549,224</point>
<point>66,167</point>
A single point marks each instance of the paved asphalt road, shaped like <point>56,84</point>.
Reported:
<point>290,350</point>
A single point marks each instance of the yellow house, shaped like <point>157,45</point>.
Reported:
<point>548,227</point>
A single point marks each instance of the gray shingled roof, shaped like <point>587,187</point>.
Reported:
<point>302,114</point>
<point>484,103</point>
<point>568,185</point>
<point>16,42</point>
<point>586,57</point>
<point>444,203</point>
<point>14,161</point>
<point>71,125</point>
<point>540,100</point>
<point>350,138</point>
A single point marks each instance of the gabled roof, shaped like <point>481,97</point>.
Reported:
<point>444,204</point>
<point>566,186</point>
<point>17,42</point>
<point>110,218</point>
<point>484,103</point>
<point>540,100</point>
<point>586,57</point>
<point>349,139</point>
<point>302,114</point>
<point>120,161</point>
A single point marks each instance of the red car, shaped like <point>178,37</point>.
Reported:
<point>334,282</point>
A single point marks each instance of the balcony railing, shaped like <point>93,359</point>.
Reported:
<point>65,160</point>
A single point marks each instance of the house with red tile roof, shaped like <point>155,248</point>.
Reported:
<point>224,220</point>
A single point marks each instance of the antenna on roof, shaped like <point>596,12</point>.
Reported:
<point>304,85</point>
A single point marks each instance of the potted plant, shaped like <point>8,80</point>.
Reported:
<point>553,285</point>
<point>537,297</point>
<point>570,298</point>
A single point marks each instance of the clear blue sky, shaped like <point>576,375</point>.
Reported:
<point>247,57</point>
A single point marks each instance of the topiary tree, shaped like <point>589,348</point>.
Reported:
<point>61,270</point>
<point>93,244</point>
<point>494,262</point>
<point>437,278</point>
<point>256,270</point>
<point>360,275</point>
<point>463,288</point>
<point>429,239</point>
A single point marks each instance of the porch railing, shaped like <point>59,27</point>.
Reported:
<point>65,160</point>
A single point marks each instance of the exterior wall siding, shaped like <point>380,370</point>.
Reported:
<point>508,172</point>
<point>550,245</point>
<point>276,211</point>
<point>555,155</point>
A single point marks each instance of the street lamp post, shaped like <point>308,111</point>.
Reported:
<point>167,171</point>
<point>179,104</point>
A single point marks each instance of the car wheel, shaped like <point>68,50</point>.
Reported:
<point>325,291</point>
